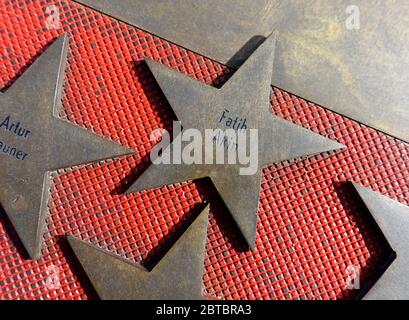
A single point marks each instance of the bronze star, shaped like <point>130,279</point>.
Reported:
<point>35,142</point>
<point>246,96</point>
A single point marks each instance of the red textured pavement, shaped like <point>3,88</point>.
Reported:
<point>311,226</point>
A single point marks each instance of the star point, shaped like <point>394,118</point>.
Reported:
<point>34,142</point>
<point>177,276</point>
<point>392,218</point>
<point>245,97</point>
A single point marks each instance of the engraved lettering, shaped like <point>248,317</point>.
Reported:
<point>233,122</point>
<point>15,128</point>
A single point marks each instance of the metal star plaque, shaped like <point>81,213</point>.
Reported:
<point>177,276</point>
<point>392,219</point>
<point>351,57</point>
<point>35,142</point>
<point>243,102</point>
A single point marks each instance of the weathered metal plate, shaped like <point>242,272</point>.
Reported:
<point>225,30</point>
<point>393,220</point>
<point>177,276</point>
<point>246,96</point>
<point>34,142</point>
<point>363,74</point>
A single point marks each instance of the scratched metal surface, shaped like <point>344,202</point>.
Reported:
<point>362,74</point>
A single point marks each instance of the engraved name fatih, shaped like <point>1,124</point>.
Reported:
<point>16,129</point>
<point>231,122</point>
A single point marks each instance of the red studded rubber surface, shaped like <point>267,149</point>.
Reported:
<point>311,226</point>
